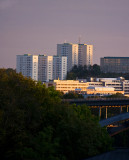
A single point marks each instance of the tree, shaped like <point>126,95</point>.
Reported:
<point>96,70</point>
<point>83,72</point>
<point>72,95</point>
<point>34,124</point>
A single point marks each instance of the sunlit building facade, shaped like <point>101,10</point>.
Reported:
<point>77,54</point>
<point>95,86</point>
<point>70,51</point>
<point>85,54</point>
<point>42,67</point>
<point>52,67</point>
<point>45,68</point>
<point>59,67</point>
<point>27,64</point>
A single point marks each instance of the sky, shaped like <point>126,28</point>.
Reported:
<point>37,26</point>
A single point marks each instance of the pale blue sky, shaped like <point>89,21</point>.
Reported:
<point>37,26</point>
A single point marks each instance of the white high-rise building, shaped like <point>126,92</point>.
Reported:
<point>27,64</point>
<point>52,67</point>
<point>85,54</point>
<point>45,68</point>
<point>59,67</point>
<point>70,51</point>
<point>41,67</point>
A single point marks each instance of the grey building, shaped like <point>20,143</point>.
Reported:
<point>114,64</point>
<point>85,54</point>
<point>70,51</point>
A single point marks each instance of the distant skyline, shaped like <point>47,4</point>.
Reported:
<point>37,26</point>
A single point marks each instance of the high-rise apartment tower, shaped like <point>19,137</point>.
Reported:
<point>85,54</point>
<point>77,54</point>
<point>27,64</point>
<point>45,68</point>
<point>70,51</point>
<point>52,67</point>
<point>59,67</point>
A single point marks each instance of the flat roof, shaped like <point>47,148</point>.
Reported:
<point>116,57</point>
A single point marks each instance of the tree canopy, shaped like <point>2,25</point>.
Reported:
<point>34,124</point>
<point>83,72</point>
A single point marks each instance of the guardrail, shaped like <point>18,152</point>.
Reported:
<point>93,99</point>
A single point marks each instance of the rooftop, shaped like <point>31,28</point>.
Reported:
<point>117,57</point>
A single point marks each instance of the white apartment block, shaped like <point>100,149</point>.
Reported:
<point>70,51</point>
<point>59,67</point>
<point>52,67</point>
<point>85,54</point>
<point>41,67</point>
<point>45,68</point>
<point>27,64</point>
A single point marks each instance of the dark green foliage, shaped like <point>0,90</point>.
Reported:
<point>83,72</point>
<point>117,95</point>
<point>121,139</point>
<point>35,125</point>
<point>72,95</point>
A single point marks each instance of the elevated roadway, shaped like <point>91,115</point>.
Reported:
<point>99,102</point>
<point>114,119</point>
<point>114,124</point>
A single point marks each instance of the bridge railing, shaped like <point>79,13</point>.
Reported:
<point>93,99</point>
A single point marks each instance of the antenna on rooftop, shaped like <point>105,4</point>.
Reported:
<point>79,40</point>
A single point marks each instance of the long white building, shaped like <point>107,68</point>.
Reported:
<point>119,84</point>
<point>105,86</point>
<point>27,64</point>
<point>70,51</point>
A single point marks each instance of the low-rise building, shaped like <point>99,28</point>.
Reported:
<point>105,86</point>
<point>66,86</point>
<point>102,91</point>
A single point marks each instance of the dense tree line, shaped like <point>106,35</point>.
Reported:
<point>72,95</point>
<point>83,72</point>
<point>34,124</point>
